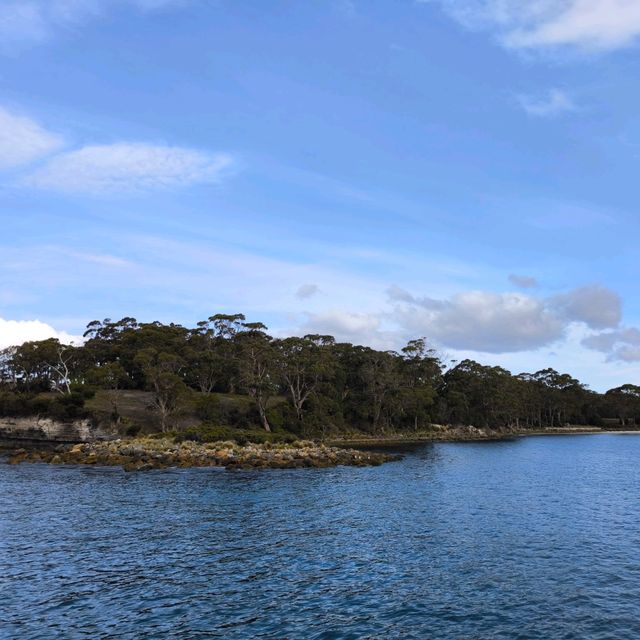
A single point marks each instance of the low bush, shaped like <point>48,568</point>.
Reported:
<point>206,433</point>
<point>65,407</point>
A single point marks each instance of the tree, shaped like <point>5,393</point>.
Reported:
<point>302,363</point>
<point>44,364</point>
<point>381,380</point>
<point>328,386</point>
<point>421,373</point>
<point>160,370</point>
<point>61,365</point>
<point>8,372</point>
<point>562,396</point>
<point>111,377</point>
<point>624,402</point>
<point>475,394</point>
<point>204,359</point>
<point>256,367</point>
<point>223,361</point>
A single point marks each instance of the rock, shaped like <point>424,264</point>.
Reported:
<point>145,454</point>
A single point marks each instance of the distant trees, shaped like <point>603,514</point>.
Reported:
<point>310,384</point>
<point>624,403</point>
<point>490,396</point>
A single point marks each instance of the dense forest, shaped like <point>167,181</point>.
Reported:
<point>311,385</point>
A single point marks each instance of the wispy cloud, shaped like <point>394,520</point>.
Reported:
<point>553,103</point>
<point>22,25</point>
<point>100,259</point>
<point>122,167</point>
<point>594,25</point>
<point>128,167</point>
<point>28,23</point>
<point>22,140</point>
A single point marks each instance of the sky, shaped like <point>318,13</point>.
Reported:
<point>380,170</point>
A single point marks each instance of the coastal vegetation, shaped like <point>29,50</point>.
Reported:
<point>228,379</point>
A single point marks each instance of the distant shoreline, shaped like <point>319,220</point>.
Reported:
<point>470,434</point>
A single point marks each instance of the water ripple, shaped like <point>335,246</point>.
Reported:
<point>532,538</point>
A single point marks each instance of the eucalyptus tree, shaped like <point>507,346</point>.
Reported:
<point>421,373</point>
<point>111,377</point>
<point>161,370</point>
<point>302,364</point>
<point>205,361</point>
<point>380,375</point>
<point>219,362</point>
<point>562,396</point>
<point>624,403</point>
<point>257,366</point>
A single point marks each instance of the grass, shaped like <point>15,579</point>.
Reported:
<point>137,414</point>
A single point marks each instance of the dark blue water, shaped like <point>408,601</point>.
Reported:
<point>531,538</point>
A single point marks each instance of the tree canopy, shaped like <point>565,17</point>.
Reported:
<point>310,385</point>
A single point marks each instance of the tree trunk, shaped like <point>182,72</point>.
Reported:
<point>263,418</point>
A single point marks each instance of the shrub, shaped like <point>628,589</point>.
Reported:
<point>208,409</point>
<point>67,407</point>
<point>208,433</point>
<point>132,430</point>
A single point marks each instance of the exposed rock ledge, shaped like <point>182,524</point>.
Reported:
<point>45,430</point>
<point>149,453</point>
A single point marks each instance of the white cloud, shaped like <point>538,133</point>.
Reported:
<point>552,104</point>
<point>15,332</point>
<point>483,321</point>
<point>504,322</point>
<point>27,23</point>
<point>528,24</point>
<point>344,323</point>
<point>22,140</point>
<point>127,167</point>
<point>347,326</point>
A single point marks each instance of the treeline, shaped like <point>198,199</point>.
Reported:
<point>309,385</point>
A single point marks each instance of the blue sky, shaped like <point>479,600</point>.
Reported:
<point>375,169</point>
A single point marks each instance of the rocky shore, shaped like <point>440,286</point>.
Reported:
<point>437,433</point>
<point>441,433</point>
<point>151,453</point>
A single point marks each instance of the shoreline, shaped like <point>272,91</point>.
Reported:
<point>472,434</point>
<point>145,454</point>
